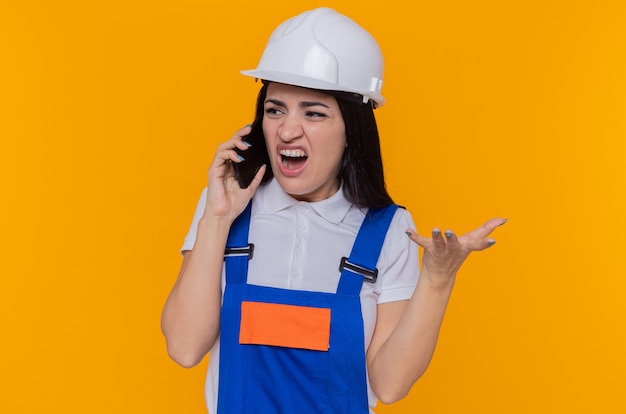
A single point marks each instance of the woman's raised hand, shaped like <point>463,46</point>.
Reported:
<point>224,196</point>
<point>444,253</point>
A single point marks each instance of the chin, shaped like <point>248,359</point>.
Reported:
<point>292,187</point>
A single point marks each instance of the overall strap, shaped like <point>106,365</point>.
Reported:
<point>361,265</point>
<point>238,250</point>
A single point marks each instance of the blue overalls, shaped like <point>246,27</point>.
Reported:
<point>267,369</point>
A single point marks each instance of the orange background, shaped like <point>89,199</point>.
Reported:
<point>110,112</point>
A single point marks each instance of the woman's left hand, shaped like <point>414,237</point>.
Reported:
<point>444,253</point>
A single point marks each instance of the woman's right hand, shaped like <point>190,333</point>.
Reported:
<point>225,199</point>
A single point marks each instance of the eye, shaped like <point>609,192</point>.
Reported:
<point>273,111</point>
<point>315,115</point>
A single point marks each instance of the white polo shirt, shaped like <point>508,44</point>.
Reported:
<point>299,245</point>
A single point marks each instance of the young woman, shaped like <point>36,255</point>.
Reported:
<point>304,286</point>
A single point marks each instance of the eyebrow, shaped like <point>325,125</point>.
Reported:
<point>304,104</point>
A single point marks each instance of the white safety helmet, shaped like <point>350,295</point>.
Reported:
<point>322,49</point>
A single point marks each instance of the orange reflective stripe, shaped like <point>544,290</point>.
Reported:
<point>285,325</point>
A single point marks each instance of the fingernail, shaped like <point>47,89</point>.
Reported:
<point>248,125</point>
<point>448,234</point>
<point>436,233</point>
<point>240,157</point>
<point>491,242</point>
<point>408,233</point>
<point>505,220</point>
<point>247,144</point>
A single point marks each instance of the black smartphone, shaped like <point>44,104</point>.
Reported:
<point>254,157</point>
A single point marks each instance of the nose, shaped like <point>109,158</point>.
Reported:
<point>290,129</point>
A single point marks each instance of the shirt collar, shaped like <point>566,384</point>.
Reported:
<point>274,199</point>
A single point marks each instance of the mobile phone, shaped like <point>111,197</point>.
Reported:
<point>254,157</point>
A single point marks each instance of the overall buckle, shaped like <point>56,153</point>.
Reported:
<point>369,275</point>
<point>240,251</point>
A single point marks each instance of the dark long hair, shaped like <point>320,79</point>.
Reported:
<point>361,170</point>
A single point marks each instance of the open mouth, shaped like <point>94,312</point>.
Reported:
<point>293,159</point>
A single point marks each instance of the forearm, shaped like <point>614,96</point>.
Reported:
<point>404,357</point>
<point>400,353</point>
<point>191,315</point>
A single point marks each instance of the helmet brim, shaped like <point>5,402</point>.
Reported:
<point>307,82</point>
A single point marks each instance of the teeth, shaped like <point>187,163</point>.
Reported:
<point>292,153</point>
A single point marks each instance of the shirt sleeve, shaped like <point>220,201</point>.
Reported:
<point>398,263</point>
<point>190,239</point>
